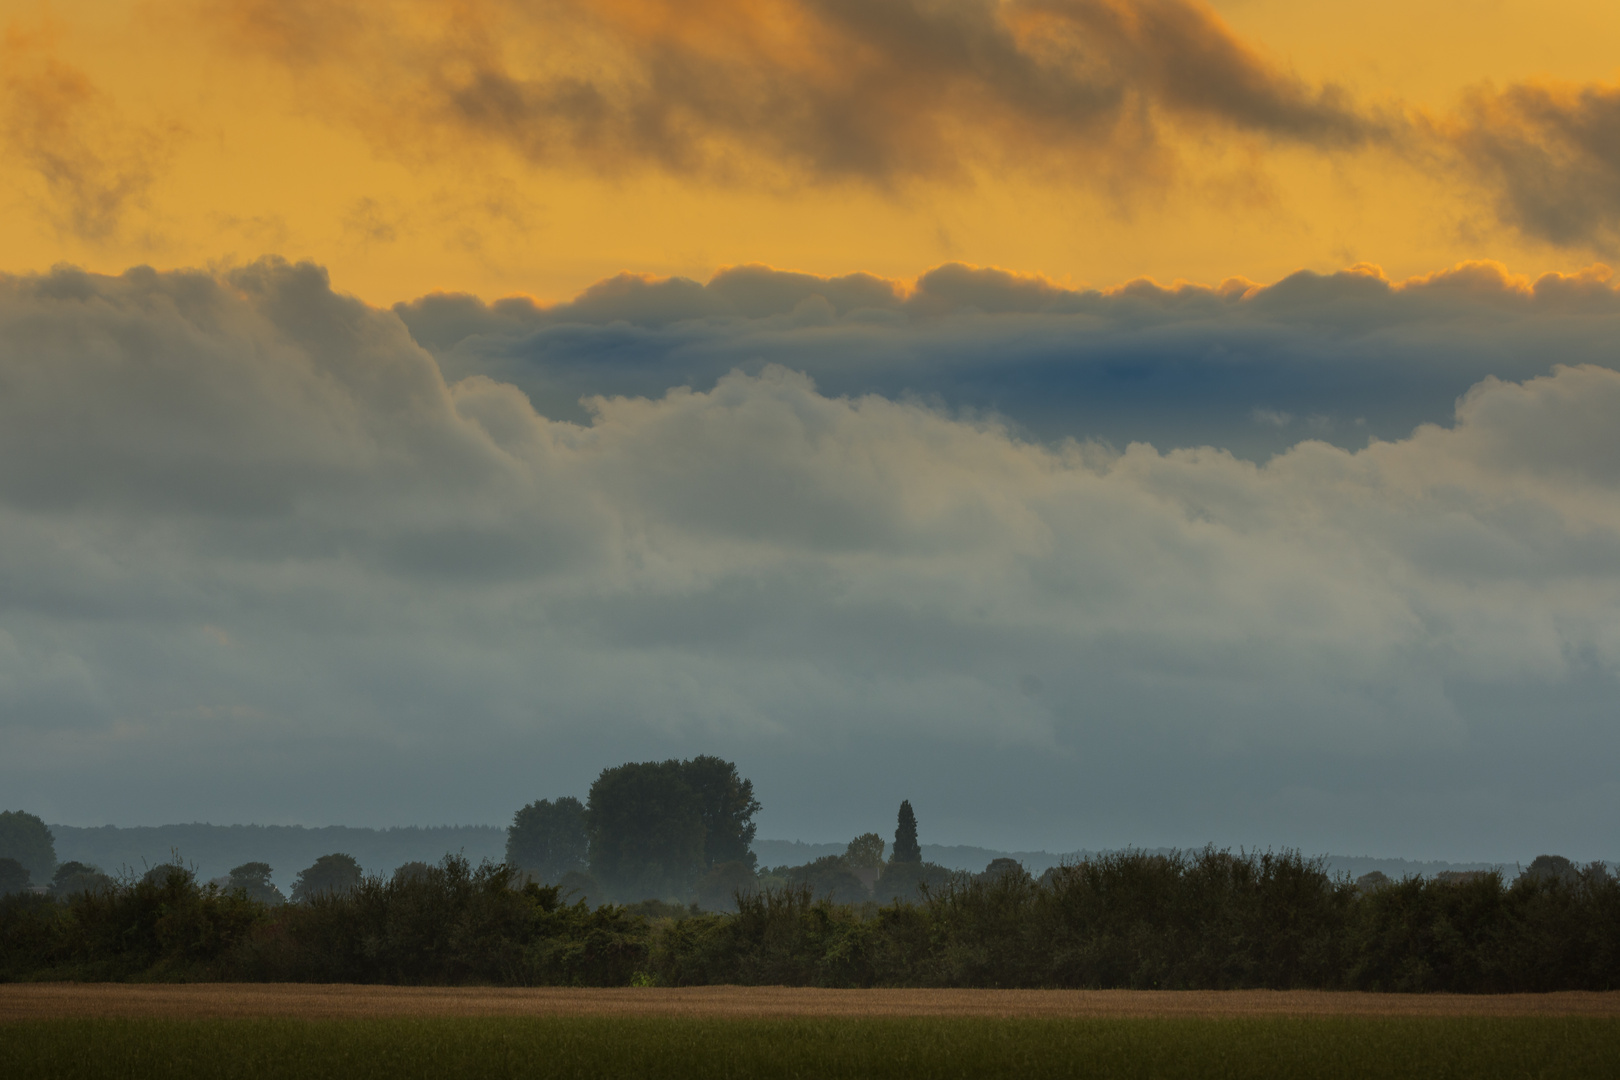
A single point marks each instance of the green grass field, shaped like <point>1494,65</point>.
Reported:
<point>1476,1049</point>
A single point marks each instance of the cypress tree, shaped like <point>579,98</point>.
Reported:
<point>906,849</point>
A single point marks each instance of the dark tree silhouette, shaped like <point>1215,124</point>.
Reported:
<point>646,830</point>
<point>13,876</point>
<point>1550,868</point>
<point>254,879</point>
<point>727,806</point>
<point>548,839</point>
<point>336,873</point>
<point>906,848</point>
<point>25,838</point>
<point>656,826</point>
<point>77,877</point>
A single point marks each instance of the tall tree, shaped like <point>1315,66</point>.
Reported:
<point>336,873</point>
<point>906,848</point>
<point>646,830</point>
<point>25,838</point>
<point>656,826</point>
<point>548,839</point>
<point>254,879</point>
<point>865,852</point>
<point>727,806</point>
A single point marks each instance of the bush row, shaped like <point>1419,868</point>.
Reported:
<point>1202,920</point>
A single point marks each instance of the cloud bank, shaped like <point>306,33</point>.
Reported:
<point>1249,368</point>
<point>263,561</point>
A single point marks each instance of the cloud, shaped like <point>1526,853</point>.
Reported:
<point>1551,152</point>
<point>1176,365</point>
<point>880,93</point>
<point>92,164</point>
<point>440,602</point>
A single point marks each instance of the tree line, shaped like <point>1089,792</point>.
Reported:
<point>1200,920</point>
<point>651,880</point>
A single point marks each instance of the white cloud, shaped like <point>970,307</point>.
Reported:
<point>255,548</point>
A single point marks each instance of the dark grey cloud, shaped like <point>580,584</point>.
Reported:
<point>1343,357</point>
<point>1552,154</point>
<point>265,562</point>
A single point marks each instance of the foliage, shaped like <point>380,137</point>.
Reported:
<point>865,852</point>
<point>548,839</point>
<point>1551,868</point>
<point>1187,920</point>
<point>1375,879</point>
<point>579,886</point>
<point>77,877</point>
<point>718,889</point>
<point>14,877</point>
<point>655,827</point>
<point>828,877</point>
<point>24,837</point>
<point>162,925</point>
<point>906,848</point>
<point>330,874</point>
<point>253,879</point>
<point>909,882</point>
<point>411,870</point>
<point>451,925</point>
<point>727,806</point>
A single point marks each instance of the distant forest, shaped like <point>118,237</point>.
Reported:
<point>655,879</point>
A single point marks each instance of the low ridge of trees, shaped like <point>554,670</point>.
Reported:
<point>1209,919</point>
<point>657,884</point>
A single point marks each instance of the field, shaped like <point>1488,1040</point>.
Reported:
<point>360,1032</point>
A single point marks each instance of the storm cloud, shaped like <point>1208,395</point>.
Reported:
<point>263,560</point>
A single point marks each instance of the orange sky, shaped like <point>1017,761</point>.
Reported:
<point>176,132</point>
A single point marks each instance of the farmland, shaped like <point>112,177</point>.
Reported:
<point>254,1031</point>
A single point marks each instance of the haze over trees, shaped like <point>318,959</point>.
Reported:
<point>548,839</point>
<point>76,877</point>
<point>337,873</point>
<point>25,838</point>
<point>14,877</point>
<point>253,879</point>
<point>1184,920</point>
<point>656,827</point>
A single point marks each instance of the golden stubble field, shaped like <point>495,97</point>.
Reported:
<point>41,1001</point>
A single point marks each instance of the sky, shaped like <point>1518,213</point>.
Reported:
<point>1101,422</point>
